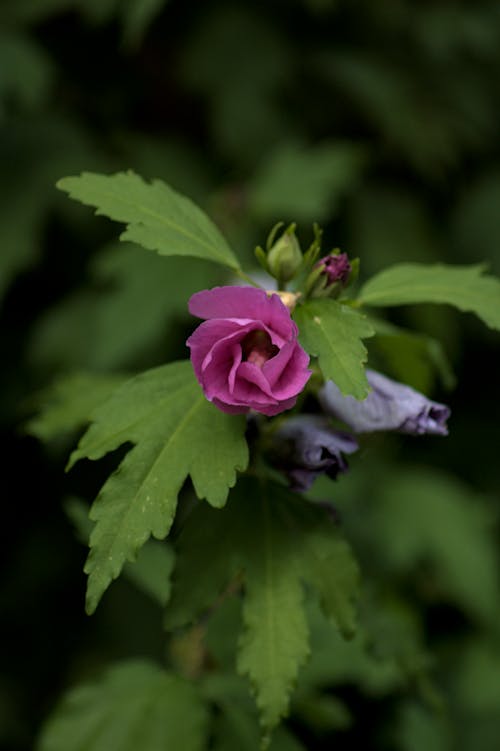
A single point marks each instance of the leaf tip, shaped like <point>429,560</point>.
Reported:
<point>73,458</point>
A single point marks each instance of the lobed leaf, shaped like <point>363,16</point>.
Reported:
<point>135,704</point>
<point>157,217</point>
<point>270,542</point>
<point>333,332</point>
<point>334,573</point>
<point>465,287</point>
<point>176,433</point>
<point>206,537</point>
<point>236,725</point>
<point>151,570</point>
<point>67,404</point>
<point>275,640</point>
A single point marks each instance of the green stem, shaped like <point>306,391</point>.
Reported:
<point>247,278</point>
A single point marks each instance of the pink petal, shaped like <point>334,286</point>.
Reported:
<point>294,376</point>
<point>230,409</point>
<point>237,354</point>
<point>246,392</point>
<point>272,409</point>
<point>251,373</point>
<point>274,367</point>
<point>205,337</point>
<point>243,302</point>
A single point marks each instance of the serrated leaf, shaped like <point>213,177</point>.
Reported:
<point>275,640</point>
<point>334,573</point>
<point>134,705</point>
<point>333,332</point>
<point>68,403</point>
<point>196,585</point>
<point>237,725</point>
<point>151,570</point>
<point>285,553</point>
<point>236,729</point>
<point>176,433</point>
<point>157,217</point>
<point>465,287</point>
<point>268,538</point>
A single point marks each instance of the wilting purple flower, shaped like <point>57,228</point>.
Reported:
<point>336,267</point>
<point>389,406</point>
<point>246,354</point>
<point>307,446</point>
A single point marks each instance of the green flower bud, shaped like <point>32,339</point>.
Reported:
<point>284,258</point>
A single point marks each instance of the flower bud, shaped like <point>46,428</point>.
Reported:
<point>285,256</point>
<point>330,275</point>
<point>336,267</point>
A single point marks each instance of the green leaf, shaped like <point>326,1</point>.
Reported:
<point>26,72</point>
<point>335,661</point>
<point>176,433</point>
<point>422,516</point>
<point>236,729</point>
<point>333,333</point>
<point>334,573</point>
<point>157,217</point>
<point>68,403</point>
<point>323,712</point>
<point>305,183</point>
<point>237,725</point>
<point>411,357</point>
<point>417,728</point>
<point>275,640</point>
<point>114,323</point>
<point>269,541</point>
<point>151,570</point>
<point>379,242</point>
<point>133,705</point>
<point>475,683</point>
<point>205,537</point>
<point>465,287</point>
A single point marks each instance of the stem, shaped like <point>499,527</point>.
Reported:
<point>281,284</point>
<point>247,278</point>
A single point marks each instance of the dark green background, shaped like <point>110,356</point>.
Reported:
<point>377,119</point>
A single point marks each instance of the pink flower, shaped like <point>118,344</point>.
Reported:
<point>246,354</point>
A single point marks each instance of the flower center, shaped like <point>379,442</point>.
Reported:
<point>257,348</point>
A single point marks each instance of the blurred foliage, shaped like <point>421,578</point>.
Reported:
<point>381,121</point>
